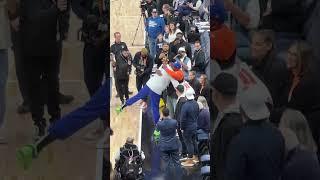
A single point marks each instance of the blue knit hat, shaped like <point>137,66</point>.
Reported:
<point>176,65</point>
<point>218,12</point>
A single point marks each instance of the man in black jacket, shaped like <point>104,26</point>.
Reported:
<point>194,83</point>
<point>165,52</point>
<point>258,151</point>
<point>143,63</point>
<point>116,48</point>
<point>180,101</point>
<point>271,70</point>
<point>227,124</point>
<point>122,72</point>
<point>94,15</point>
<point>179,42</point>
<point>38,25</point>
<point>198,60</point>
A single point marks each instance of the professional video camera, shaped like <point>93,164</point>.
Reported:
<point>143,7</point>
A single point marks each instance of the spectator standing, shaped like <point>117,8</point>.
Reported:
<point>168,16</point>
<point>184,60</point>
<point>142,61</point>
<point>198,60</point>
<point>188,124</point>
<point>301,150</point>
<point>180,42</point>
<point>204,89</point>
<point>228,123</point>
<point>154,26</point>
<point>180,101</point>
<point>304,87</point>
<point>270,69</point>
<point>169,145</point>
<point>194,83</point>
<point>173,30</point>
<point>160,41</point>
<point>204,115</point>
<point>165,52</point>
<point>259,146</point>
<point>193,36</point>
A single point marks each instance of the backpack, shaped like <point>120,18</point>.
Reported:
<point>131,166</point>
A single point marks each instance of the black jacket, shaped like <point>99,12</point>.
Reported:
<point>219,142</point>
<point>84,8</point>
<point>174,47</point>
<point>306,98</point>
<point>301,165</point>
<point>189,116</point>
<point>178,108</point>
<point>205,92</point>
<point>116,48</point>
<point>275,75</point>
<point>199,60</point>
<point>282,9</point>
<point>38,27</point>
<point>195,84</point>
<point>123,69</point>
<point>257,152</point>
<point>142,69</point>
<point>158,61</point>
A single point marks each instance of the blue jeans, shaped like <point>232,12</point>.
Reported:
<point>190,141</point>
<point>152,47</point>
<point>3,83</point>
<point>172,166</point>
<point>154,98</point>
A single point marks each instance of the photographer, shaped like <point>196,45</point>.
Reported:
<point>143,64</point>
<point>184,60</point>
<point>179,42</point>
<point>148,5</point>
<point>94,15</point>
<point>165,52</point>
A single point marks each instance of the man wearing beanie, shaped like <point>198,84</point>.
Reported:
<point>143,63</point>
<point>227,124</point>
<point>258,151</point>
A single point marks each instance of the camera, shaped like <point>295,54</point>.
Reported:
<point>143,4</point>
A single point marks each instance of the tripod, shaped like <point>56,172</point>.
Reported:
<point>142,16</point>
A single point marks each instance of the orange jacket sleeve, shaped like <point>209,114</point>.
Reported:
<point>177,75</point>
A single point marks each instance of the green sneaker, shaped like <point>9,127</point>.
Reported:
<point>118,110</point>
<point>156,136</point>
<point>25,156</point>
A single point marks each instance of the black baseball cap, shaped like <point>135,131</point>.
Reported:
<point>226,84</point>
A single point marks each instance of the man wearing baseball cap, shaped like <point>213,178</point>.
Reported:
<point>188,124</point>
<point>259,146</point>
<point>228,122</point>
<point>184,60</point>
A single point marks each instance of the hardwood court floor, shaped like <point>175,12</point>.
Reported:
<point>72,159</point>
<point>124,18</point>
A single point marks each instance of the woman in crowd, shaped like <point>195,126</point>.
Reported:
<point>173,30</point>
<point>204,115</point>
<point>301,159</point>
<point>305,87</point>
